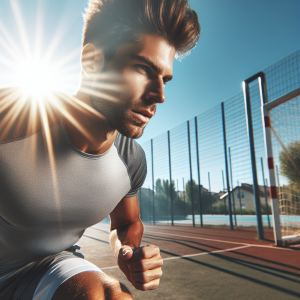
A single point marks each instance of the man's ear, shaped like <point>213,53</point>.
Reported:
<point>92,60</point>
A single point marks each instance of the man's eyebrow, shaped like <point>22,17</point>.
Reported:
<point>150,63</point>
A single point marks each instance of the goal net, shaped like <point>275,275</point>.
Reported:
<point>284,165</point>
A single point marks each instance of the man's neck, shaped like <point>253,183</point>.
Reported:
<point>89,131</point>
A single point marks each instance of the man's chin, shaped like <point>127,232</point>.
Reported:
<point>133,132</point>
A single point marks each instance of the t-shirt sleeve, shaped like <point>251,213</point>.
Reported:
<point>138,172</point>
<point>134,158</point>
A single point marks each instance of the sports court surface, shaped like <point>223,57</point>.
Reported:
<point>207,263</point>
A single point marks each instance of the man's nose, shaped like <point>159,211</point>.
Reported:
<point>156,91</point>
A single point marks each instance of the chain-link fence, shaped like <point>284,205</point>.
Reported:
<point>186,181</point>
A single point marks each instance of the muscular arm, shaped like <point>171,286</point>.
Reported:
<point>141,265</point>
<point>126,227</point>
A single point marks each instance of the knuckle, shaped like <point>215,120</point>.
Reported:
<point>144,277</point>
<point>144,287</point>
<point>154,284</point>
<point>143,264</point>
<point>156,249</point>
<point>157,281</point>
<point>143,267</point>
<point>144,251</point>
<point>139,286</point>
<point>160,262</point>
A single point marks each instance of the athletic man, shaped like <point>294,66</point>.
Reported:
<point>66,162</point>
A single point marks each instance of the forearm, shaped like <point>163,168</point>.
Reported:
<point>130,235</point>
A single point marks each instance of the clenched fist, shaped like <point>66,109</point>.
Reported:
<point>141,265</point>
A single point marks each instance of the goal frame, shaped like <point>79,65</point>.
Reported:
<point>266,107</point>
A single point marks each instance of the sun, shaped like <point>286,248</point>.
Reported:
<point>35,56</point>
<point>36,77</point>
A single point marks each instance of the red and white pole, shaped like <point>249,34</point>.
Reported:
<point>273,188</point>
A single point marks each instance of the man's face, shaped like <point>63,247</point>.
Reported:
<point>142,71</point>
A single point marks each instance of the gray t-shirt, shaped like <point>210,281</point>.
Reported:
<point>50,194</point>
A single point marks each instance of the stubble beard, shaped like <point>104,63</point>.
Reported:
<point>117,116</point>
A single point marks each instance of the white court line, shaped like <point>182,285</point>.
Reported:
<point>253,245</point>
<point>109,268</point>
<point>198,238</point>
<point>272,247</point>
<point>190,255</point>
<point>205,239</point>
<point>203,253</point>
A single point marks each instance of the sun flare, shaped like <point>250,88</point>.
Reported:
<point>37,78</point>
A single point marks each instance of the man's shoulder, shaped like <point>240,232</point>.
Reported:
<point>133,156</point>
<point>129,148</point>
<point>22,114</point>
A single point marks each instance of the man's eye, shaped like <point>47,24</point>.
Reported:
<point>144,68</point>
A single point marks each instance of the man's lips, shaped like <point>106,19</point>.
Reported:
<point>143,115</point>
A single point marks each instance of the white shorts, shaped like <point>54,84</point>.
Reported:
<point>59,273</point>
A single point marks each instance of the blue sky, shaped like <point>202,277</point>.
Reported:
<point>239,38</point>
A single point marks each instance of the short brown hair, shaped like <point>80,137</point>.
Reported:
<point>110,23</point>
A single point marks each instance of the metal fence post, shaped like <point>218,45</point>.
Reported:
<point>198,169</point>
<point>246,91</point>
<point>240,199</point>
<point>170,175</point>
<point>233,202</point>
<point>152,161</point>
<point>183,196</point>
<point>226,165</point>
<point>149,202</point>
<point>191,174</point>
<point>210,194</point>
<point>224,192</point>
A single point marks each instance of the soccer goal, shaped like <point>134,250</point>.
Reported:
<point>281,119</point>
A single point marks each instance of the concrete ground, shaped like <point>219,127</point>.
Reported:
<point>207,264</point>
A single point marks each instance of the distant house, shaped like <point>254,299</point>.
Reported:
<point>220,194</point>
<point>245,194</point>
<point>182,194</point>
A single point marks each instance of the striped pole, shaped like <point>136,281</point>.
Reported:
<point>272,179</point>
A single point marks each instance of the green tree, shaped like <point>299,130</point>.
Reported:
<point>207,200</point>
<point>162,209</point>
<point>158,186</point>
<point>290,164</point>
<point>163,192</point>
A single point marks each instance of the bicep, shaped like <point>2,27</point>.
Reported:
<point>125,213</point>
